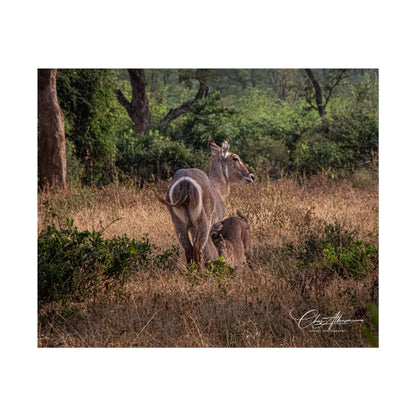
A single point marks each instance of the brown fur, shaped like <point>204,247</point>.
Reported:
<point>196,200</point>
<point>232,240</point>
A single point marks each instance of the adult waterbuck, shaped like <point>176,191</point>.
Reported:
<point>196,201</point>
<point>232,239</point>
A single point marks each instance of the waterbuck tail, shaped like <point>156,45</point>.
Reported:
<point>180,199</point>
<point>176,204</point>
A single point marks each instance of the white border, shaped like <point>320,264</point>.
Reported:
<point>216,34</point>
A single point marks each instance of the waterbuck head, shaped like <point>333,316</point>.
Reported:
<point>228,167</point>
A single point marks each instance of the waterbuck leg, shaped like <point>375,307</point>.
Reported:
<point>203,243</point>
<point>186,244</point>
<point>181,230</point>
<point>197,252</point>
<point>199,242</point>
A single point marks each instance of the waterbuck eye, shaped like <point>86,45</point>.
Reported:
<point>236,158</point>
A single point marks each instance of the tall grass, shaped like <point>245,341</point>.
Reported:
<point>249,307</point>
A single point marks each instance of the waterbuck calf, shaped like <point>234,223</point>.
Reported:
<point>196,201</point>
<point>232,239</point>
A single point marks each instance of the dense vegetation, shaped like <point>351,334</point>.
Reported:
<point>268,116</point>
<point>110,269</point>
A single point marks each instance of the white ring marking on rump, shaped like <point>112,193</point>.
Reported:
<point>193,213</point>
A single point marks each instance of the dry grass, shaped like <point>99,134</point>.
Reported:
<point>249,308</point>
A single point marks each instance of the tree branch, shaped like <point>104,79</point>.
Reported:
<point>176,112</point>
<point>318,93</point>
<point>337,79</point>
<point>123,100</point>
<point>309,101</point>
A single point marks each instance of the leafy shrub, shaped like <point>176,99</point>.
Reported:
<point>353,121</point>
<point>260,115</point>
<point>313,156</point>
<point>74,264</point>
<point>269,157</point>
<point>219,269</point>
<point>336,250</point>
<point>154,155</point>
<point>207,119</point>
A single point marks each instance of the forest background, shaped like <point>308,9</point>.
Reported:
<point>280,121</point>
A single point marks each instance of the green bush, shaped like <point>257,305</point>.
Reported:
<point>336,250</point>
<point>260,114</point>
<point>219,269</point>
<point>73,264</point>
<point>208,119</point>
<point>152,155</point>
<point>269,157</point>
<point>314,155</point>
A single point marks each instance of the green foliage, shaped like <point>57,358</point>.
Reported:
<point>207,119</point>
<point>153,155</point>
<point>353,121</point>
<point>371,334</point>
<point>262,113</point>
<point>336,250</point>
<point>219,269</point>
<point>91,113</point>
<point>157,105</point>
<point>74,167</point>
<point>349,138</point>
<point>315,155</point>
<point>269,130</point>
<point>73,264</point>
<point>268,157</point>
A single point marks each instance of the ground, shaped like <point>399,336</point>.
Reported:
<point>249,307</point>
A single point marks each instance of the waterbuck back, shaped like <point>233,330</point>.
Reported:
<point>196,200</point>
<point>232,239</point>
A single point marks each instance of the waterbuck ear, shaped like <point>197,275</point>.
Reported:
<point>214,148</point>
<point>224,149</point>
<point>242,216</point>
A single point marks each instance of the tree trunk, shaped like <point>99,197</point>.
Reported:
<point>52,149</point>
<point>253,78</point>
<point>318,94</point>
<point>274,78</point>
<point>138,108</point>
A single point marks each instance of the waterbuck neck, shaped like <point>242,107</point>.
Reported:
<point>220,180</point>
